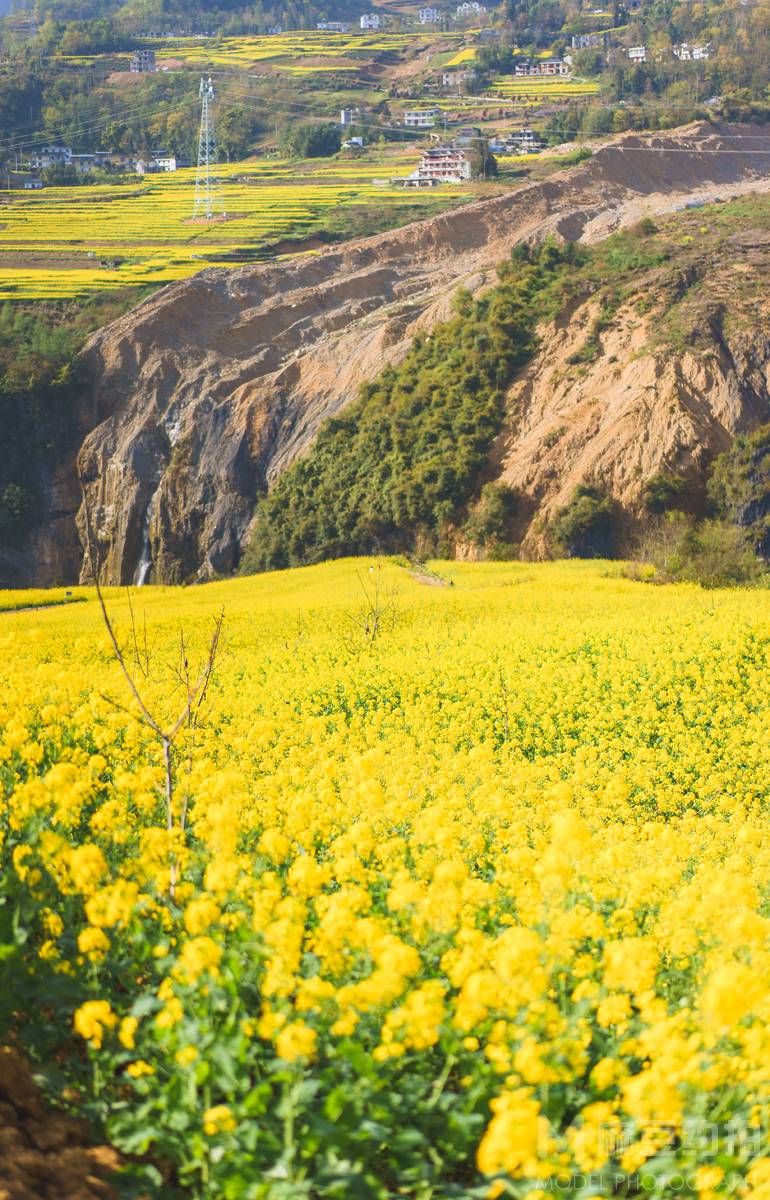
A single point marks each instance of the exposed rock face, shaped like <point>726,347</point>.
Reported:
<point>636,409</point>
<point>209,389</point>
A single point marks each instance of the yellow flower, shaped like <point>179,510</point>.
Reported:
<point>200,914</point>
<point>517,1138</point>
<point>112,905</point>
<point>198,955</point>
<point>218,1119</point>
<point>139,1068</point>
<point>630,964</point>
<point>708,1178</point>
<point>730,994</point>
<point>93,942</point>
<point>127,1032</point>
<point>614,1010</point>
<point>275,845</point>
<point>295,1041</point>
<point>87,867</point>
<point>91,1020</point>
<point>53,923</point>
<point>186,1056</point>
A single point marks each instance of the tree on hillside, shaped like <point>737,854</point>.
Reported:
<point>310,140</point>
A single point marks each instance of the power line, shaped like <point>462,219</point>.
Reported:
<point>42,137</point>
<point>258,102</point>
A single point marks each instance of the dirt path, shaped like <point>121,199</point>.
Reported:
<point>20,608</point>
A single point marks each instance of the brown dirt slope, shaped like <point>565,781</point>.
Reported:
<point>209,389</point>
<point>680,366</point>
<point>45,1155</point>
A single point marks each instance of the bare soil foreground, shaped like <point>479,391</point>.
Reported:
<point>45,1155</point>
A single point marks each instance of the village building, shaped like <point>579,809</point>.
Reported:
<point>687,53</point>
<point>466,135</point>
<point>470,9</point>
<point>371,21</point>
<point>143,62</point>
<point>438,164</point>
<point>421,118</point>
<point>519,141</point>
<point>428,16</point>
<point>539,67</point>
<point>457,77</point>
<point>590,41</point>
<point>51,156</point>
<point>159,162</point>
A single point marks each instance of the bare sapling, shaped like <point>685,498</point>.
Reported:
<point>377,609</point>
<point>194,685</point>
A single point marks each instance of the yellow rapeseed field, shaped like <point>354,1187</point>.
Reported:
<point>463,891</point>
<point>63,242</point>
<point>542,87</point>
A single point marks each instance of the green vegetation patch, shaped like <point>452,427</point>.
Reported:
<point>40,379</point>
<point>404,459</point>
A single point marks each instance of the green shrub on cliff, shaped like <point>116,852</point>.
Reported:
<point>586,527</point>
<point>739,487</point>
<point>403,461</point>
<point>40,382</point>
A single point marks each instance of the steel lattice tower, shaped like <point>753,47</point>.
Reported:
<point>208,198</point>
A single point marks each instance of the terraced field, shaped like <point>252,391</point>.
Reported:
<point>542,88</point>
<point>287,51</point>
<point>64,242</point>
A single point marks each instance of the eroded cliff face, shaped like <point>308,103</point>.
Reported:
<point>205,393</point>
<point>642,404</point>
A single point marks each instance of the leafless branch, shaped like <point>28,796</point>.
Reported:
<point>194,691</point>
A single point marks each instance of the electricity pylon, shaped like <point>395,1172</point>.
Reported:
<point>208,198</point>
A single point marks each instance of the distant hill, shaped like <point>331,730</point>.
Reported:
<point>224,381</point>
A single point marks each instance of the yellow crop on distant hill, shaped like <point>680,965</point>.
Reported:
<point>281,49</point>
<point>63,242</point>
<point>466,55</point>
<point>471,898</point>
<point>551,86</point>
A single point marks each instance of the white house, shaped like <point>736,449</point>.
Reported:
<point>687,53</point>
<point>90,162</point>
<point>439,164</point>
<point>428,16</point>
<point>542,66</point>
<point>638,54</point>
<point>164,161</point>
<point>333,26</point>
<point>421,118</point>
<point>371,21</point>
<point>470,8</point>
<point>444,164</point>
<point>143,62</point>
<point>51,156</point>
<point>159,162</point>
<point>517,141</point>
<point>456,77</point>
<point>589,41</point>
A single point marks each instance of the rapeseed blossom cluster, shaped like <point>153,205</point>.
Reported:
<point>477,908</point>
